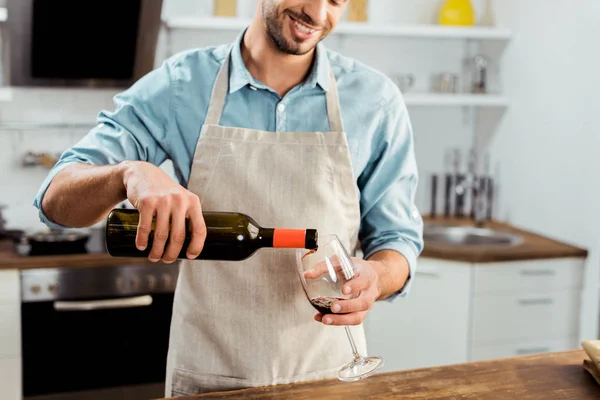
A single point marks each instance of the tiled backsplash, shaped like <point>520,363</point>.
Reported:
<point>19,185</point>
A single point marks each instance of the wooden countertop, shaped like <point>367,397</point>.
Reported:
<point>556,376</point>
<point>11,260</point>
<point>535,246</point>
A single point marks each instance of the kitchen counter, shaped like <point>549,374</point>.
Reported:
<point>556,376</point>
<point>534,246</point>
<point>9,259</point>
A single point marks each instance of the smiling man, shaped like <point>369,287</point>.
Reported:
<point>278,127</point>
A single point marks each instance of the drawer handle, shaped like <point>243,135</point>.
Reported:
<point>538,272</point>
<point>534,350</point>
<point>532,302</point>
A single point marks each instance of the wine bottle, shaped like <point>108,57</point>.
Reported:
<point>229,237</point>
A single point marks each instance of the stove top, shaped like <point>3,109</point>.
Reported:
<point>51,284</point>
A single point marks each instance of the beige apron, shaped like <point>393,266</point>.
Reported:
<point>243,324</point>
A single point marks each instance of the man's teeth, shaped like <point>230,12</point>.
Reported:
<point>303,28</point>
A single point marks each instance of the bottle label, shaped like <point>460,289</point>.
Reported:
<point>289,238</point>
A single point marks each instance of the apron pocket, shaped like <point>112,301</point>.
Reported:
<point>188,382</point>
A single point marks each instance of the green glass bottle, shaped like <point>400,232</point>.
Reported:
<point>230,236</point>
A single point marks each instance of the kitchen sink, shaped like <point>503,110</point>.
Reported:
<point>469,236</point>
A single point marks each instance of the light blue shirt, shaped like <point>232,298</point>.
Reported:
<point>160,117</point>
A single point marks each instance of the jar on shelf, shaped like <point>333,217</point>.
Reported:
<point>358,10</point>
<point>225,8</point>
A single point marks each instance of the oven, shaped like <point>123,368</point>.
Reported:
<point>96,333</point>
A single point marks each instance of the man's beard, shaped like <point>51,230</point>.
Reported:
<point>274,23</point>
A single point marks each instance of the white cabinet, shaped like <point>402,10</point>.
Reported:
<point>10,335</point>
<point>10,378</point>
<point>430,326</point>
<point>459,312</point>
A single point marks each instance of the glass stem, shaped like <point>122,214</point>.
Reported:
<point>351,339</point>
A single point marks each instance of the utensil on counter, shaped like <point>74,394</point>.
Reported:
<point>449,187</point>
<point>434,185</point>
<point>459,202</point>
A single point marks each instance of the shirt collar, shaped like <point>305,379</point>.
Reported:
<point>239,76</point>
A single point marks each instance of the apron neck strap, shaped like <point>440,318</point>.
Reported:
<point>221,87</point>
<point>334,112</point>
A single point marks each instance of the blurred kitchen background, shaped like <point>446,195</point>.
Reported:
<point>503,109</point>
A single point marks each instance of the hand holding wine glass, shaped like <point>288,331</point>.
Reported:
<point>331,278</point>
<point>361,291</point>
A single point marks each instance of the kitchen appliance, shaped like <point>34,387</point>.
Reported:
<point>96,333</point>
<point>56,242</point>
<point>44,42</point>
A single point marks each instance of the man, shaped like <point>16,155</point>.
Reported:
<point>278,127</point>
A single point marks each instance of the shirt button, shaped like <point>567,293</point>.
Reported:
<point>252,88</point>
<point>415,213</point>
<point>281,107</point>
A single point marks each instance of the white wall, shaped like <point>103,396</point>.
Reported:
<point>547,144</point>
<point>435,130</point>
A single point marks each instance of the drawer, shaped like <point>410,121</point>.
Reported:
<point>522,348</point>
<point>525,276</point>
<point>10,379</point>
<point>526,316</point>
<point>10,286</point>
<point>420,330</point>
<point>10,330</point>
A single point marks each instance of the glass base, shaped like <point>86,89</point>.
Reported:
<point>360,368</point>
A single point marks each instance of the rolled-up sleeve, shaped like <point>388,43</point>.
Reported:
<point>134,130</point>
<point>390,218</point>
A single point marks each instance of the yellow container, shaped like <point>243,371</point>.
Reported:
<point>457,12</point>
<point>357,10</point>
<point>225,8</point>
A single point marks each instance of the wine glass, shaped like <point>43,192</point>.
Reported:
<point>323,273</point>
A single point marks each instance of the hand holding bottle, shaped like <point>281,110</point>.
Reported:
<point>154,194</point>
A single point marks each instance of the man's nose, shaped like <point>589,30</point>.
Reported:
<point>317,11</point>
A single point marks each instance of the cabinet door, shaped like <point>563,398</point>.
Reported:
<point>429,326</point>
<point>522,348</point>
<point>10,379</point>
<point>10,314</point>
<point>10,289</point>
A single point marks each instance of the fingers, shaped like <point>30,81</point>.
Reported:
<point>355,318</point>
<point>329,267</point>
<point>177,236</point>
<point>161,233</point>
<point>144,227</point>
<point>198,227</point>
<point>356,285</point>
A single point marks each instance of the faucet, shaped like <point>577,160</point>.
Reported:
<point>479,188</point>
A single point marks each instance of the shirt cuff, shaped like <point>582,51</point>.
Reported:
<point>42,191</point>
<point>411,256</point>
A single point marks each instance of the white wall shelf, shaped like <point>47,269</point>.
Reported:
<point>354,28</point>
<point>457,100</point>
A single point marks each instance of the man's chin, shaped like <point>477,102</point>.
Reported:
<point>301,47</point>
